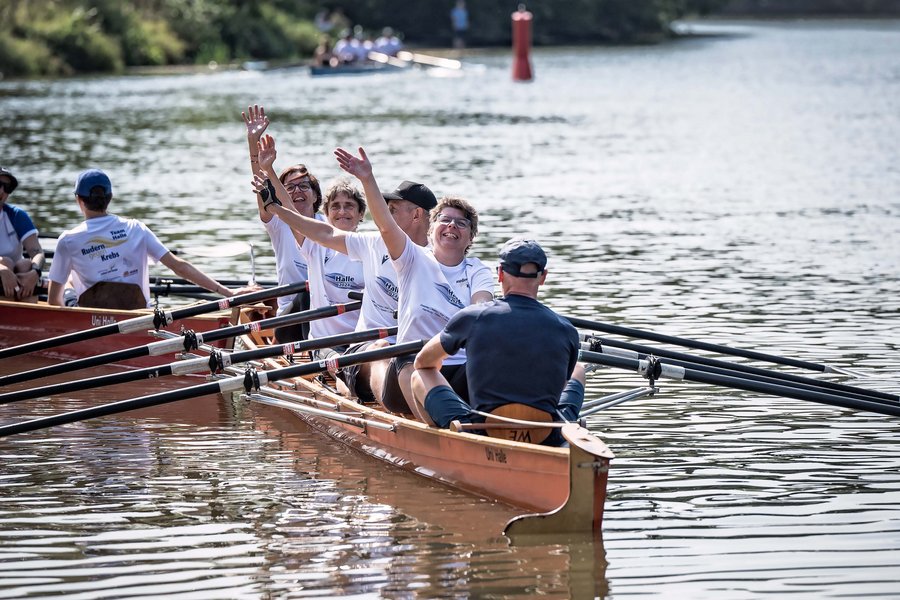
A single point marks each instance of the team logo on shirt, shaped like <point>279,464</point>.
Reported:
<point>389,287</point>
<point>448,295</point>
<point>343,282</point>
<point>385,258</point>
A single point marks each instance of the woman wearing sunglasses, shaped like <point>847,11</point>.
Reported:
<point>18,275</point>
<point>435,282</point>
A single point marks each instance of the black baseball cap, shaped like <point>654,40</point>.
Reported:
<point>417,193</point>
<point>518,252</point>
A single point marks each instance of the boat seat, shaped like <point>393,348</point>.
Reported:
<point>113,294</point>
<point>521,412</point>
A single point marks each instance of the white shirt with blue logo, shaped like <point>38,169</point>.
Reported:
<point>379,307</point>
<point>332,275</point>
<point>431,293</point>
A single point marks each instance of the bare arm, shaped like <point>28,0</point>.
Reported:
<point>321,232</point>
<point>55,293</point>
<point>360,167</point>
<point>29,280</point>
<point>184,269</point>
<point>482,296</point>
<point>431,356</point>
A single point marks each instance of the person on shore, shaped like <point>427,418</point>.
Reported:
<point>306,198</point>
<point>410,206</point>
<point>434,282</point>
<point>18,275</point>
<point>106,255</point>
<point>331,275</point>
<point>459,22</point>
<point>520,351</point>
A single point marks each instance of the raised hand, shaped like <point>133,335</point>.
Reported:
<point>359,167</point>
<point>267,154</point>
<point>256,121</point>
<point>259,186</point>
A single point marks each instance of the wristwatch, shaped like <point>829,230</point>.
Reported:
<point>38,269</point>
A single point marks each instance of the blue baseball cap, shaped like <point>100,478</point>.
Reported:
<point>90,179</point>
<point>518,252</point>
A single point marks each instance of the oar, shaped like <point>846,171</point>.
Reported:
<point>186,342</point>
<point>697,345</point>
<point>431,61</point>
<point>176,281</point>
<point>165,281</point>
<point>388,59</point>
<point>217,362</point>
<point>722,367</point>
<point>252,379</point>
<point>153,321</point>
<point>661,369</point>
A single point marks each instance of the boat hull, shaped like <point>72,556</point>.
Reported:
<point>533,477</point>
<point>21,323</point>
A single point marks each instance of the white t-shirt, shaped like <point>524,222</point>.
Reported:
<point>290,264</point>
<point>431,293</point>
<point>331,276</point>
<point>106,248</point>
<point>380,300</point>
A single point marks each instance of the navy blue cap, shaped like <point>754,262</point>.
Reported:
<point>518,252</point>
<point>90,179</point>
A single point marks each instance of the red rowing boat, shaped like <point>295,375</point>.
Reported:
<point>22,322</point>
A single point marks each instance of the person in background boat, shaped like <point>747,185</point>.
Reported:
<point>306,197</point>
<point>18,275</point>
<point>434,282</point>
<point>410,206</point>
<point>459,22</point>
<point>322,54</point>
<point>346,49</point>
<point>332,275</point>
<point>106,255</point>
<point>388,43</point>
<point>520,351</point>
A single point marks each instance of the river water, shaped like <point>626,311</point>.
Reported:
<point>741,187</point>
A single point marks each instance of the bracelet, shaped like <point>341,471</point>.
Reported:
<point>34,267</point>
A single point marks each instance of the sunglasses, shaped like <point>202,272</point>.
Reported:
<point>461,222</point>
<point>7,186</point>
<point>303,187</point>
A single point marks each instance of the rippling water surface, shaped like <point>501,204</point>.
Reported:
<point>740,188</point>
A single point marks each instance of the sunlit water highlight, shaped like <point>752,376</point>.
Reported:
<point>740,189</point>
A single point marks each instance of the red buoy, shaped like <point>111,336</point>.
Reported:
<point>521,37</point>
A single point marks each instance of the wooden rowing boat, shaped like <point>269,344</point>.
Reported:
<point>21,323</point>
<point>566,486</point>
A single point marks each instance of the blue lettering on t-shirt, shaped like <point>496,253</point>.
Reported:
<point>448,295</point>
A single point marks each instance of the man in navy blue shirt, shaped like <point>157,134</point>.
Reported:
<point>519,351</point>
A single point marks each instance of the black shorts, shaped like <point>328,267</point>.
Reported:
<point>350,374</point>
<point>392,395</point>
<point>300,331</point>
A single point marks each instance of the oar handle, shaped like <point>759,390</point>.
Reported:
<point>291,319</point>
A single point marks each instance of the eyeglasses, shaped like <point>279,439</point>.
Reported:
<point>303,187</point>
<point>461,222</point>
<point>7,186</point>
